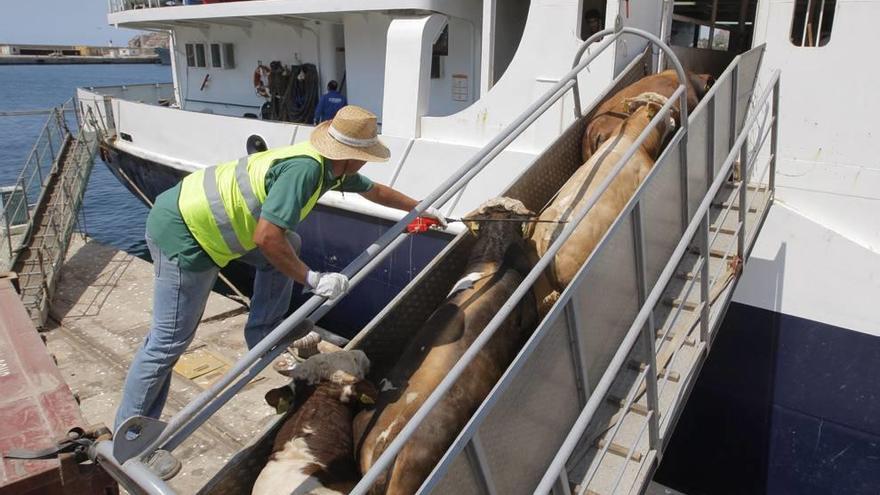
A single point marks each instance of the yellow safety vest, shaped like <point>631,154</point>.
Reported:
<point>221,204</point>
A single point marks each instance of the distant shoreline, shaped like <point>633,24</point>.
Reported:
<point>74,60</point>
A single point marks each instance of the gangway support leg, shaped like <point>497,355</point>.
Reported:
<point>648,332</point>
<point>704,282</point>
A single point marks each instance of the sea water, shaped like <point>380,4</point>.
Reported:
<point>111,214</point>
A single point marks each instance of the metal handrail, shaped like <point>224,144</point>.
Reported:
<point>197,411</point>
<point>45,152</point>
<point>557,466</point>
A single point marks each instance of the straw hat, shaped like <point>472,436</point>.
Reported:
<point>351,135</point>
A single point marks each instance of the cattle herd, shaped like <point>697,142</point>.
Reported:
<point>340,423</point>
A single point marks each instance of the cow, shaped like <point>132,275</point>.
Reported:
<point>581,186</point>
<point>313,451</point>
<point>496,265</point>
<point>607,117</point>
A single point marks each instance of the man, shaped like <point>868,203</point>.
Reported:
<point>247,210</point>
<point>592,23</point>
<point>330,103</point>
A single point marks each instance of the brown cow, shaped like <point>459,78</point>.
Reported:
<point>496,266</point>
<point>607,117</point>
<point>581,186</point>
<point>313,451</point>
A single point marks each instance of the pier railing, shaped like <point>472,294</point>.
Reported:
<point>19,200</point>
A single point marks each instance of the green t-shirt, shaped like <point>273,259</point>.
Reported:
<point>289,185</point>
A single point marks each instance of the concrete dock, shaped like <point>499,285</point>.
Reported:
<point>100,316</point>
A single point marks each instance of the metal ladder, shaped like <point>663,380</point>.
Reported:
<point>124,457</point>
<point>56,174</point>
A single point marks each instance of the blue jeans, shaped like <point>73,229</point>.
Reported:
<point>179,298</point>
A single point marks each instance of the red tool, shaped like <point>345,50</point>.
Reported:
<point>424,224</point>
<point>421,224</point>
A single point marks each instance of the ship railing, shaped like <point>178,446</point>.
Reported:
<point>121,5</point>
<point>150,93</point>
<point>19,200</point>
<point>124,457</point>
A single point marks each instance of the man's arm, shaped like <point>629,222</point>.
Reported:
<point>273,243</point>
<point>392,198</point>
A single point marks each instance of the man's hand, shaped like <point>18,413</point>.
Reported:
<point>393,198</point>
<point>329,285</point>
<point>434,213</point>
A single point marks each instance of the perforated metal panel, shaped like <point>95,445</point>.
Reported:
<point>521,433</point>
<point>607,299</point>
<point>746,76</point>
<point>661,217</point>
<point>722,120</point>
<point>460,479</point>
<point>698,157</point>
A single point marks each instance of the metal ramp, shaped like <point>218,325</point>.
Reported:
<point>36,235</point>
<point>651,295</point>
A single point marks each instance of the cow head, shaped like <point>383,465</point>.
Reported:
<point>645,107</point>
<point>496,240</point>
<point>342,372</point>
<point>701,83</point>
<point>506,210</point>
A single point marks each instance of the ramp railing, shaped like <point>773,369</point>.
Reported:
<point>124,457</point>
<point>43,247</point>
<point>555,477</point>
<point>19,200</point>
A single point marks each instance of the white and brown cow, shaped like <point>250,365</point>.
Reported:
<point>313,451</point>
<point>496,266</point>
<point>583,184</point>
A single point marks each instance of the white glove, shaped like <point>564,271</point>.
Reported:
<point>329,285</point>
<point>434,213</point>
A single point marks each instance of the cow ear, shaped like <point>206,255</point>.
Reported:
<point>280,398</point>
<point>653,108</point>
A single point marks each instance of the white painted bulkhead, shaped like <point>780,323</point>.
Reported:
<point>231,91</point>
<point>353,46</point>
<point>440,136</point>
<point>818,256</point>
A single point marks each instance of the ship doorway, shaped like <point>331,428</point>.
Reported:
<point>510,22</point>
<point>707,34</point>
<point>592,18</point>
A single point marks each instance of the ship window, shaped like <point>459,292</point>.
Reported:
<point>228,56</point>
<point>200,55</point>
<point>216,60</point>
<point>811,22</point>
<point>190,55</point>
